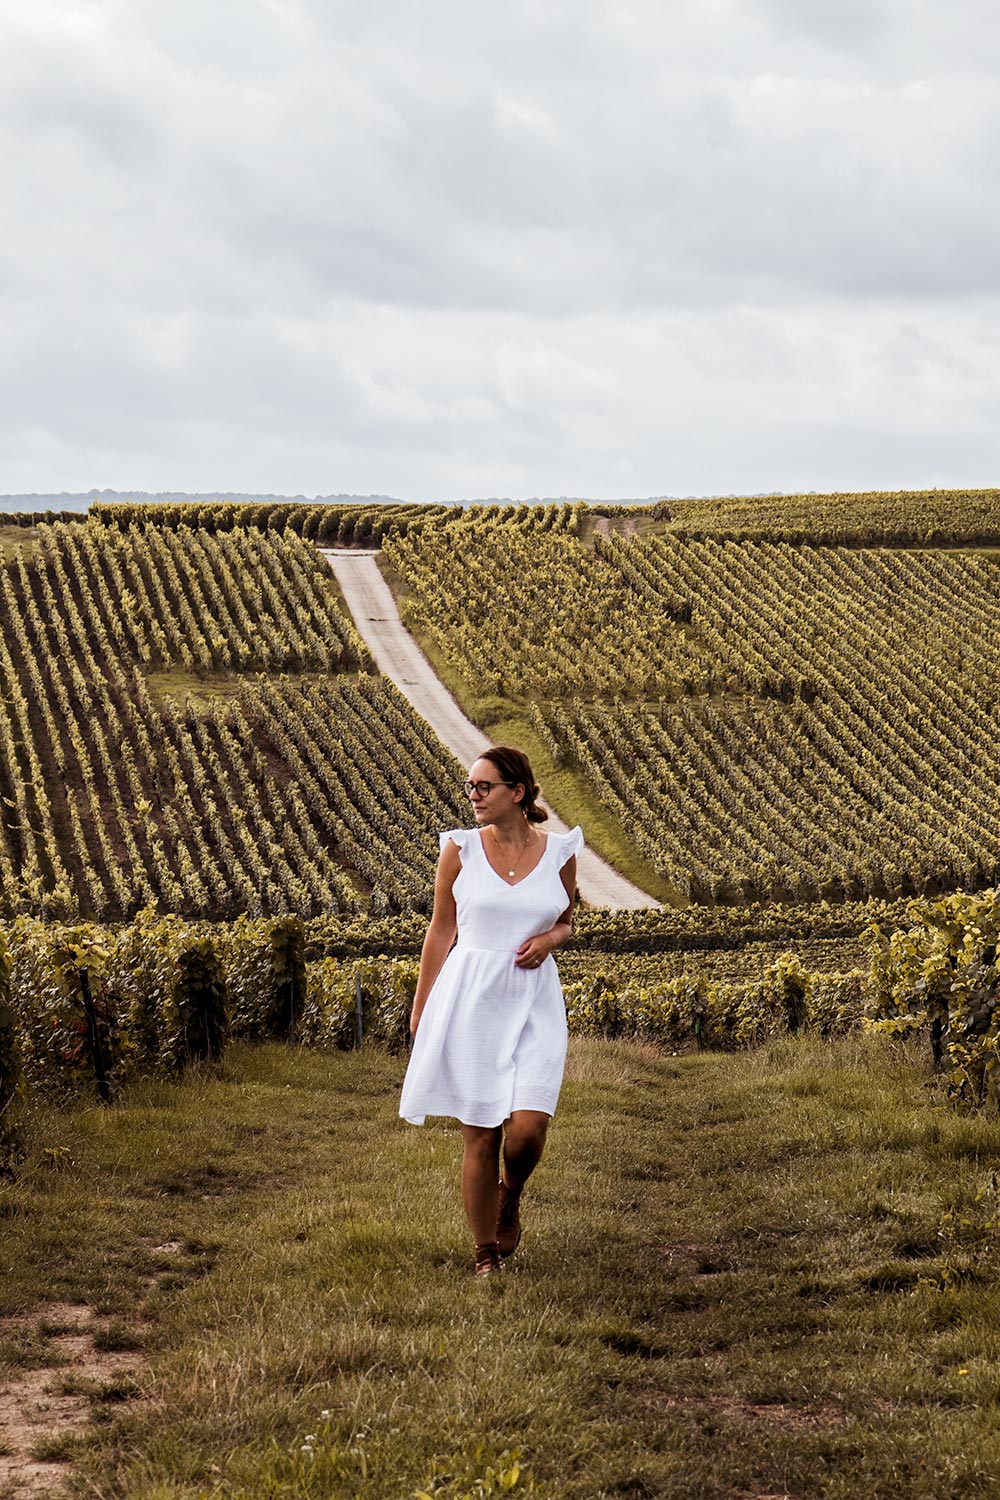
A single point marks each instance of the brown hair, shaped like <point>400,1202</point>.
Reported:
<point>515,767</point>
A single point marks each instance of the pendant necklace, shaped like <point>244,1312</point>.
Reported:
<point>511,873</point>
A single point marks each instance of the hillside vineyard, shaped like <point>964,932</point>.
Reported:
<point>295,781</point>
<point>766,713</point>
<point>768,721</point>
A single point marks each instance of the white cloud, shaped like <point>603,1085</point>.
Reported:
<point>592,249</point>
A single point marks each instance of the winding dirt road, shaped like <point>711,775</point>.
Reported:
<point>399,658</point>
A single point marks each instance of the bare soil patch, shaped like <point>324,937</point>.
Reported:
<point>776,1413</point>
<point>56,1370</point>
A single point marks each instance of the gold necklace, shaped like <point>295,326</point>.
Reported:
<point>511,873</point>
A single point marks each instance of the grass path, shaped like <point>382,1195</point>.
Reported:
<point>743,1276</point>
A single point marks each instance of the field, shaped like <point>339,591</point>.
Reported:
<point>784,704</point>
<point>702,1307</point>
<point>767,721</point>
<point>189,720</point>
<point>739,713</point>
<point>761,1259</point>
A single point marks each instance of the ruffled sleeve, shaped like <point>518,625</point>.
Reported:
<point>569,844</point>
<point>459,836</point>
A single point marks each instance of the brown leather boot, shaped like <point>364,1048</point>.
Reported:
<point>489,1261</point>
<point>508,1219</point>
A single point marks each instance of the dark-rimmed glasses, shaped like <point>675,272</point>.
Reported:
<point>484,787</point>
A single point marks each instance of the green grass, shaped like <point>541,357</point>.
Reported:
<point>749,1275</point>
<point>180,686</point>
<point>55,1449</point>
<point>12,537</point>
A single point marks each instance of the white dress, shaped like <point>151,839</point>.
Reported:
<point>492,1036</point>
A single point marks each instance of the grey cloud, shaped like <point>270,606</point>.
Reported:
<point>282,245</point>
<point>847,23</point>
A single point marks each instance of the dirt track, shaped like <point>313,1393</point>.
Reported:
<point>398,656</point>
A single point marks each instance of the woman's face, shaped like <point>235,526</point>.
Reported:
<point>500,801</point>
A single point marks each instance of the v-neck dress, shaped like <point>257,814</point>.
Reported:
<point>492,1036</point>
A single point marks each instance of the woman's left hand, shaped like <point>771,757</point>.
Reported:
<point>532,954</point>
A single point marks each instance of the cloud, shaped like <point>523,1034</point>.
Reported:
<point>278,245</point>
<point>849,24</point>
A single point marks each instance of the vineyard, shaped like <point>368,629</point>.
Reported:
<point>906,518</point>
<point>329,525</point>
<point>766,721</point>
<point>189,719</point>
<point>921,518</point>
<point>99,1006</point>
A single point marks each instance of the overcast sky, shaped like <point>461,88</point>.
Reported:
<point>443,250</point>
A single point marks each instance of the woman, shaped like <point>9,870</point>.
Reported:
<point>488,1020</point>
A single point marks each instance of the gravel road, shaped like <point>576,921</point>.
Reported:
<point>398,656</point>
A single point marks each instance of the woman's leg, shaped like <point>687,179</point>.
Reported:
<point>523,1144</point>
<point>480,1173</point>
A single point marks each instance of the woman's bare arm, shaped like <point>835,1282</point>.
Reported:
<point>440,934</point>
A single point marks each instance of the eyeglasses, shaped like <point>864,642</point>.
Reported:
<point>484,787</point>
